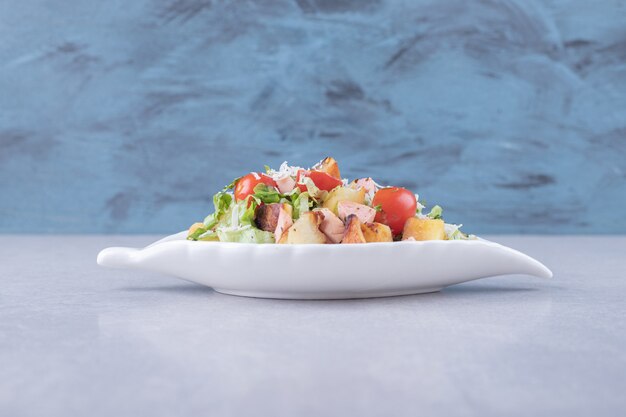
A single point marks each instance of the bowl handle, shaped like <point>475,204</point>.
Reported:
<point>117,257</point>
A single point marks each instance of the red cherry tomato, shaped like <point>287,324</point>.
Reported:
<point>397,205</point>
<point>322,180</point>
<point>245,185</point>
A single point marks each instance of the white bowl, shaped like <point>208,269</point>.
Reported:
<point>318,271</point>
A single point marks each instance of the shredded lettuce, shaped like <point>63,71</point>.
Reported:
<point>208,235</point>
<point>239,214</point>
<point>237,225</point>
<point>420,204</point>
<point>453,233</point>
<point>247,234</point>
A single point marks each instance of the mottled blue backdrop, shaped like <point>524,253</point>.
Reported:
<point>125,116</point>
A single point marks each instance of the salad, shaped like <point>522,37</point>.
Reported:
<point>296,205</point>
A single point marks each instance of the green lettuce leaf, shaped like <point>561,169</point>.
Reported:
<point>267,195</point>
<point>222,202</point>
<point>246,213</point>
<point>232,184</point>
<point>197,233</point>
<point>301,204</point>
<point>435,212</point>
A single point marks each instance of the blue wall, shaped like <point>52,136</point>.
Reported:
<point>125,116</point>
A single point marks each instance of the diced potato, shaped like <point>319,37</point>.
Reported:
<point>424,229</point>
<point>306,229</point>
<point>376,232</point>
<point>329,166</point>
<point>343,194</point>
<point>353,232</point>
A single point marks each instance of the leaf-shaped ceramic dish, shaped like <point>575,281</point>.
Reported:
<point>317,271</point>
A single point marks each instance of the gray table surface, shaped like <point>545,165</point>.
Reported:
<point>76,339</point>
